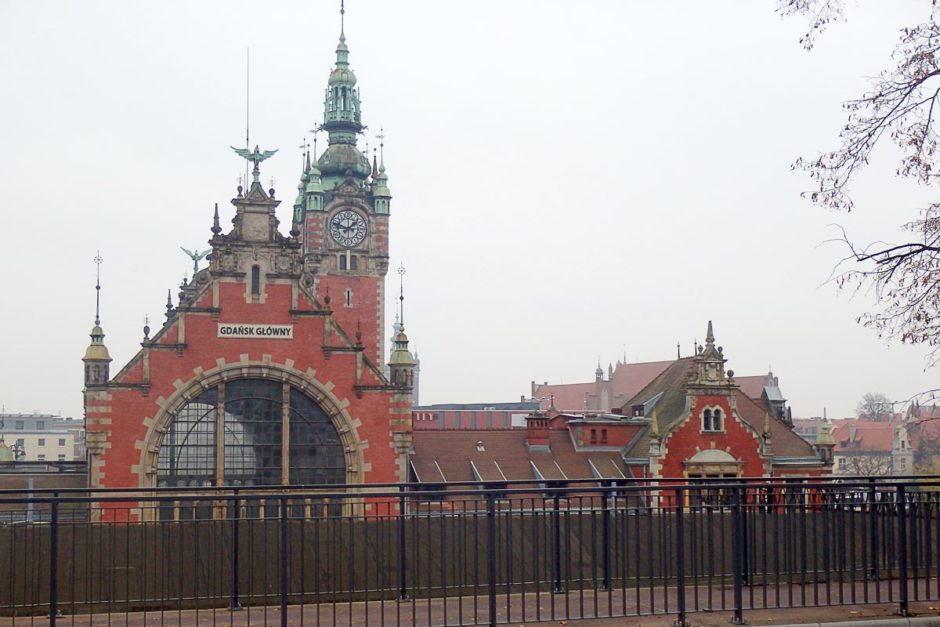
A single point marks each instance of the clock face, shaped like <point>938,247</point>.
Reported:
<point>348,228</point>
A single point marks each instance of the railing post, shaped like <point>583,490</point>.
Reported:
<point>737,523</point>
<point>605,529</point>
<point>681,620</point>
<point>285,552</point>
<point>903,606</point>
<point>54,561</point>
<point>873,529</point>
<point>236,515</point>
<point>402,580</point>
<point>491,553</point>
<point>556,542</point>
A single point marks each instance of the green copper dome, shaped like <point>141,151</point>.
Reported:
<point>342,160</point>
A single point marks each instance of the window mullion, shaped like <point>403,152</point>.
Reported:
<point>220,435</point>
<point>285,434</point>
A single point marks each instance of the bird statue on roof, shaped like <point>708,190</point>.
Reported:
<point>196,257</point>
<point>255,157</point>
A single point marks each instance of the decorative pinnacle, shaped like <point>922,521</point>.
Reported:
<point>342,21</point>
<point>710,335</point>
<point>169,300</point>
<point>216,227</point>
<point>146,327</point>
<point>98,261</point>
<point>381,138</point>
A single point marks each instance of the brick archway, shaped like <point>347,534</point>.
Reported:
<point>305,382</point>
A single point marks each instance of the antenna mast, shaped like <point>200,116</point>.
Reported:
<point>247,108</point>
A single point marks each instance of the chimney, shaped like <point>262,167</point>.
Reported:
<point>536,431</point>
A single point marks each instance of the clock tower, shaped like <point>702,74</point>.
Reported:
<point>341,215</point>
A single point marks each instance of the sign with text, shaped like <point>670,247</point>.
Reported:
<point>256,331</point>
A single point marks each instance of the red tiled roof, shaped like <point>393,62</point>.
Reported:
<point>786,442</point>
<point>863,436</point>
<point>753,386</point>
<point>567,396</point>
<point>629,379</point>
<point>505,455</point>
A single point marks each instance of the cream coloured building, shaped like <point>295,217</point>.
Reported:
<point>43,437</point>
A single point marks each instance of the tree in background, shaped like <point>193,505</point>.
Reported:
<point>875,406</point>
<point>867,465</point>
<point>901,107</point>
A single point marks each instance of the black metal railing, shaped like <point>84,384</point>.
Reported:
<point>467,553</point>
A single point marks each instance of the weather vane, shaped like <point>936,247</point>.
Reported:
<point>196,257</point>
<point>256,158</point>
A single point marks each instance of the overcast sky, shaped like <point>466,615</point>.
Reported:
<point>571,180</point>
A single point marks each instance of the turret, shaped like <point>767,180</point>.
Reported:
<point>342,119</point>
<point>825,443</point>
<point>401,364</point>
<point>97,359</point>
<point>380,191</point>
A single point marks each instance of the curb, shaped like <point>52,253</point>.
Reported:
<point>918,621</point>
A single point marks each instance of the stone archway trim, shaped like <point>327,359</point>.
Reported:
<point>321,392</point>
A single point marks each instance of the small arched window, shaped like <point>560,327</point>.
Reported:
<point>342,262</point>
<point>353,263</point>
<point>716,421</point>
<point>707,420</point>
<point>255,280</point>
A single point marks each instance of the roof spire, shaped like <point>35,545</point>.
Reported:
<point>401,293</point>
<point>216,227</point>
<point>98,261</point>
<point>709,335</point>
<point>342,21</point>
<point>381,138</point>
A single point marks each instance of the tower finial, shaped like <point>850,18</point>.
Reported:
<point>709,335</point>
<point>381,138</point>
<point>216,227</point>
<point>401,293</point>
<point>98,261</point>
<point>342,21</point>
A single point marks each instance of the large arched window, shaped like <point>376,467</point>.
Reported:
<point>234,434</point>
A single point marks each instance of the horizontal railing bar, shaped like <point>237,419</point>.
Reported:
<point>672,482</point>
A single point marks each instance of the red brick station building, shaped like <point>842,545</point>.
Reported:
<point>269,369</point>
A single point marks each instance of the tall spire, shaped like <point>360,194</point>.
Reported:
<point>342,119</point>
<point>401,294</point>
<point>98,261</point>
<point>96,355</point>
<point>216,227</point>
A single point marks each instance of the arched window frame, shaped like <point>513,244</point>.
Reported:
<point>219,430</point>
<point>712,419</point>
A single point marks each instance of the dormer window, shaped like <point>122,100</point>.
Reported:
<point>712,420</point>
<point>637,411</point>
